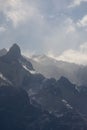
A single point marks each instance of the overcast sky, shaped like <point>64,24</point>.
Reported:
<point>57,28</point>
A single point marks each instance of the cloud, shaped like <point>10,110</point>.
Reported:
<point>70,26</point>
<point>82,22</point>
<point>83,48</point>
<point>70,29</point>
<point>41,26</point>
<point>18,11</point>
<point>63,36</point>
<point>2,29</point>
<point>76,3</point>
<point>74,56</point>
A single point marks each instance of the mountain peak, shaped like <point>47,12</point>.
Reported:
<point>15,48</point>
<point>3,52</point>
<point>14,52</point>
<point>64,81</point>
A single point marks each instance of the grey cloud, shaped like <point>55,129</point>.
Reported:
<point>76,3</point>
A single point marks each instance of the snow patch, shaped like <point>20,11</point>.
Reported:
<point>77,88</point>
<point>67,104</point>
<point>4,78</point>
<point>30,71</point>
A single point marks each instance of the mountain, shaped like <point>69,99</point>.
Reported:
<point>3,52</point>
<point>14,53</point>
<point>12,66</point>
<point>62,101</point>
<point>52,68</point>
<point>58,96</point>
<point>16,112</point>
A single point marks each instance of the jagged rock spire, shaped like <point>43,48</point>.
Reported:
<point>14,52</point>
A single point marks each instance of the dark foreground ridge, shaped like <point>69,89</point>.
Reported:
<point>17,113</point>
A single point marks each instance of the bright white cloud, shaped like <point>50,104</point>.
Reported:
<point>75,56</point>
<point>82,22</point>
<point>76,3</point>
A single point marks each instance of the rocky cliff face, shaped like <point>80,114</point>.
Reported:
<point>16,112</point>
<point>50,104</point>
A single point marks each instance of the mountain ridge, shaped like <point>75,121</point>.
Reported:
<point>52,68</point>
<point>55,96</point>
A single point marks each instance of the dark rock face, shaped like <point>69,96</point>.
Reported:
<point>65,81</point>
<point>61,98</point>
<point>11,66</point>
<point>58,96</point>
<point>27,63</point>
<point>16,113</point>
<point>13,103</point>
<point>14,52</point>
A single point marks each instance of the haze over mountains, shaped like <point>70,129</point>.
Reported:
<point>30,100</point>
<point>52,68</point>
